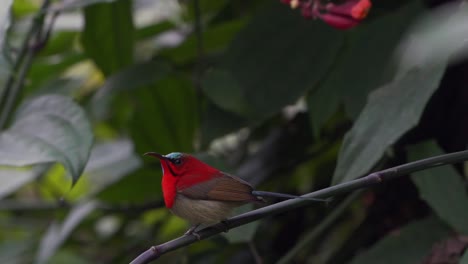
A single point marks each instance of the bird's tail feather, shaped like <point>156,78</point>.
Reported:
<point>287,196</point>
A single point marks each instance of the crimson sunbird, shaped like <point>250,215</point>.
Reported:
<point>201,194</point>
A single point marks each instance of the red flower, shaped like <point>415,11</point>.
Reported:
<point>346,15</point>
<point>341,16</point>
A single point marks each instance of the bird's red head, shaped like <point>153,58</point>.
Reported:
<point>181,171</point>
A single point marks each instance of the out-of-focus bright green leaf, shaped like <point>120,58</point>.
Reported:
<point>58,233</point>
<point>408,245</point>
<point>391,111</point>
<point>364,63</point>
<point>244,233</point>
<point>60,42</point>
<point>48,129</point>
<point>108,37</point>
<point>134,76</point>
<point>442,188</point>
<point>274,61</point>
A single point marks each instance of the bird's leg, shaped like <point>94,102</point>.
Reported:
<point>191,231</point>
<point>223,226</point>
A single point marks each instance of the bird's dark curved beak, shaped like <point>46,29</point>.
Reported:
<point>156,155</point>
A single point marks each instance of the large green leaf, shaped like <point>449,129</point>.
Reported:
<point>406,246</point>
<point>442,188</point>
<point>272,62</point>
<point>391,111</point>
<point>108,37</point>
<point>48,129</point>
<point>364,63</point>
<point>134,76</point>
<point>165,116</point>
<point>57,233</point>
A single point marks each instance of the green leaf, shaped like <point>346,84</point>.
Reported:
<point>58,233</point>
<point>391,111</point>
<point>165,117</point>
<point>108,36</point>
<point>408,245</point>
<point>441,187</point>
<point>108,163</point>
<point>134,76</point>
<point>48,129</point>
<point>217,122</point>
<point>363,64</point>
<point>272,62</point>
<point>215,40</point>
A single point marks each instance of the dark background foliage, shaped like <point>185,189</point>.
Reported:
<point>289,104</point>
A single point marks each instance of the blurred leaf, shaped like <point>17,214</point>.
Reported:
<point>364,64</point>
<point>244,233</point>
<point>76,4</point>
<point>137,187</point>
<point>24,7</point>
<point>108,163</point>
<point>408,245</point>
<point>50,67</point>
<point>402,103</point>
<point>464,258</point>
<point>13,178</point>
<point>58,233</point>
<point>217,122</point>
<point>48,129</point>
<point>441,187</point>
<point>279,58</point>
<point>108,36</point>
<point>232,96</point>
<point>68,256</point>
<point>215,39</point>
<point>438,35</point>
<point>5,21</point>
<point>60,42</point>
<point>165,116</point>
<point>134,76</point>
<point>15,252</point>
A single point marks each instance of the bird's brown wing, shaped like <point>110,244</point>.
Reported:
<point>224,187</point>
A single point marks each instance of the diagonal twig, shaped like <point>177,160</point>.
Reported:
<point>374,178</point>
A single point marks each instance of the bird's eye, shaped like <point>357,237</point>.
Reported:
<point>176,161</point>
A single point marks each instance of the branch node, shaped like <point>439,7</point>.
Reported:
<point>155,250</point>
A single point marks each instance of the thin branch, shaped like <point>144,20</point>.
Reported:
<point>372,179</point>
<point>319,229</point>
<point>22,64</point>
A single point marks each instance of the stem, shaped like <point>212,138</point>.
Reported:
<point>374,178</point>
<point>21,66</point>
